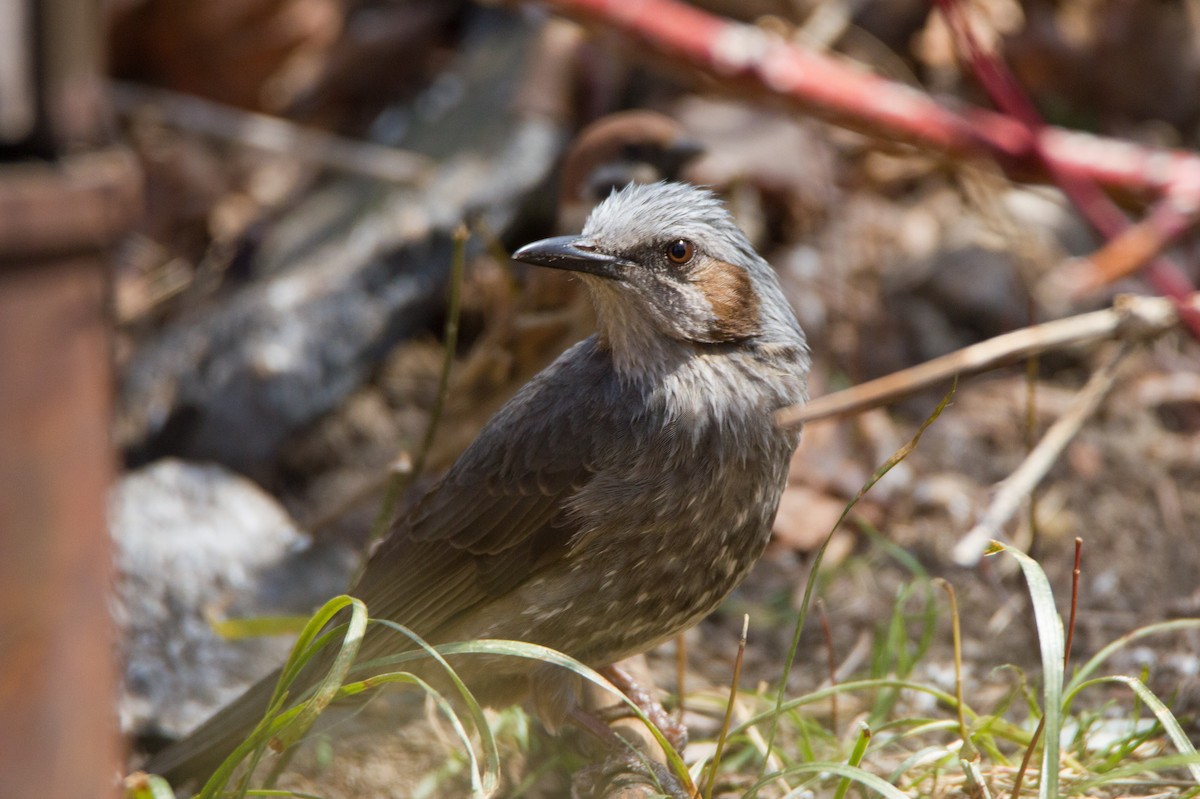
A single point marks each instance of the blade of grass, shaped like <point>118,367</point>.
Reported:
<point>976,784</point>
<point>1138,770</point>
<point>968,750</point>
<point>830,663</point>
<point>733,687</point>
<point>522,649</point>
<point>1164,715</point>
<point>482,783</point>
<point>1037,733</point>
<point>1051,643</point>
<point>879,683</point>
<point>328,687</point>
<point>810,584</point>
<point>312,639</point>
<point>257,626</point>
<point>856,758</point>
<point>1104,654</point>
<point>491,776</point>
<point>864,778</point>
<point>922,757</point>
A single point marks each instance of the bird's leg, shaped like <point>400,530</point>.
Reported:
<point>627,778</point>
<point>596,724</point>
<point>629,769</point>
<point>672,728</point>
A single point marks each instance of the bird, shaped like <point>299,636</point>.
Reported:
<point>619,496</point>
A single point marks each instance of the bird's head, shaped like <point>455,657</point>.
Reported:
<point>667,261</point>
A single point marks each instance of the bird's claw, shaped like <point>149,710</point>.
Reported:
<point>672,728</point>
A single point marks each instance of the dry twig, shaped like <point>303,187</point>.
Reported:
<point>1018,485</point>
<point>1130,318</point>
<point>274,134</point>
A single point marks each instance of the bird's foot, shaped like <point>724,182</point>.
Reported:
<point>672,728</point>
<point>627,776</point>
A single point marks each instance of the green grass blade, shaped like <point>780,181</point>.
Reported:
<point>856,758</point>
<point>1137,772</point>
<point>864,778</point>
<point>810,584</point>
<point>1104,654</point>
<point>482,784</point>
<point>1051,643</point>
<point>1164,715</point>
<point>522,649</point>
<point>491,774</point>
<point>328,687</point>
<point>258,626</point>
<point>881,683</point>
<point>311,640</point>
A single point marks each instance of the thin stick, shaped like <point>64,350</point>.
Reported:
<point>725,724</point>
<point>399,480</point>
<point>1129,318</point>
<point>1021,482</point>
<point>274,134</point>
<point>1019,779</point>
<point>1126,253</point>
<point>1031,384</point>
<point>1074,600</point>
<point>968,749</point>
<point>827,632</point>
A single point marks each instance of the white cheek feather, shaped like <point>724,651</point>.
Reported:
<point>628,330</point>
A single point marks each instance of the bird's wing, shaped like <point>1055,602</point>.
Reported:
<point>491,523</point>
<point>498,517</point>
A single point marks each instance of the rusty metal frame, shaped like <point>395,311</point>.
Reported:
<point>65,199</point>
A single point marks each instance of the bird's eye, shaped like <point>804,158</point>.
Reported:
<point>680,251</point>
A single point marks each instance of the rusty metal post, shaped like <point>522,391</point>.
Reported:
<point>64,201</point>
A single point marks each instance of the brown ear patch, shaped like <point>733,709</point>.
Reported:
<point>733,299</point>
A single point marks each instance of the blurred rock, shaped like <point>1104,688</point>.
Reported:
<point>973,286</point>
<point>353,269</point>
<point>976,291</point>
<point>232,385</point>
<point>1044,214</point>
<point>195,542</point>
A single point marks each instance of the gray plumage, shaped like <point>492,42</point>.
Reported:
<point>624,491</point>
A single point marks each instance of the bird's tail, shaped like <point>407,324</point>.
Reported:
<point>198,755</point>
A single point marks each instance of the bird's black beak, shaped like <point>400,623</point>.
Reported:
<point>573,254</point>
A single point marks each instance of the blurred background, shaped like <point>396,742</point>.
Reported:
<point>226,232</point>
